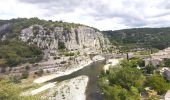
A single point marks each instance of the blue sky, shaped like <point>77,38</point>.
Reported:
<point>102,14</point>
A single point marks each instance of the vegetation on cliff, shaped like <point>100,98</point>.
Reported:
<point>16,52</point>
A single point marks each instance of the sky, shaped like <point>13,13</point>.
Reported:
<point>102,14</point>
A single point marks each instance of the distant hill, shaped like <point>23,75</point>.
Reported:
<point>155,37</point>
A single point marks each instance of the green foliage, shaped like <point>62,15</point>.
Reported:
<point>133,62</point>
<point>25,74</point>
<point>125,82</point>
<point>167,62</point>
<point>150,68</point>
<point>39,72</point>
<point>9,91</point>
<point>158,83</point>
<point>127,77</point>
<point>61,46</point>
<point>142,37</point>
<point>116,92</point>
<point>13,53</point>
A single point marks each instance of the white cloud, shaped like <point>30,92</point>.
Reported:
<point>102,14</point>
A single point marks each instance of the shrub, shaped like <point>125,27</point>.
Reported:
<point>61,45</point>
<point>25,74</point>
<point>69,54</point>
<point>40,72</point>
<point>15,79</point>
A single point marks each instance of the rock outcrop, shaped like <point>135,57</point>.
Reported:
<point>82,39</point>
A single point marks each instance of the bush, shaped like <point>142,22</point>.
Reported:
<point>69,54</point>
<point>25,74</point>
<point>150,68</point>
<point>61,45</point>
<point>167,62</point>
<point>27,68</point>
<point>158,83</point>
<point>15,79</point>
<point>40,72</point>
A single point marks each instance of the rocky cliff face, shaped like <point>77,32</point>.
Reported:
<point>82,39</point>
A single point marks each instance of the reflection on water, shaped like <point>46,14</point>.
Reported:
<point>92,71</point>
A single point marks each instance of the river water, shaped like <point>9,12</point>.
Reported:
<point>92,71</point>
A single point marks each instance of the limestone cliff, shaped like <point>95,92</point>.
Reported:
<point>50,36</point>
<point>82,39</point>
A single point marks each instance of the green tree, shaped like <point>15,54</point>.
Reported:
<point>116,92</point>
<point>127,77</point>
<point>150,69</point>
<point>158,83</point>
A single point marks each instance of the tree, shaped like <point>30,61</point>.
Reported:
<point>158,83</point>
<point>140,62</point>
<point>116,92</point>
<point>150,68</point>
<point>133,62</point>
<point>127,77</point>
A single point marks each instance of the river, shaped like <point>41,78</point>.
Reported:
<point>92,71</point>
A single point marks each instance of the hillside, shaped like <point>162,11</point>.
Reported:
<point>155,37</point>
<point>31,40</point>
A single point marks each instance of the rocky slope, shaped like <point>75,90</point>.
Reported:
<point>63,44</point>
<point>76,39</point>
<point>52,36</point>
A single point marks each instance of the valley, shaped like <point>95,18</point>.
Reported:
<point>55,60</point>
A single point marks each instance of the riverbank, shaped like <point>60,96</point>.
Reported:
<point>91,71</point>
<point>81,65</point>
<point>61,73</point>
<point>43,88</point>
<point>72,89</point>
